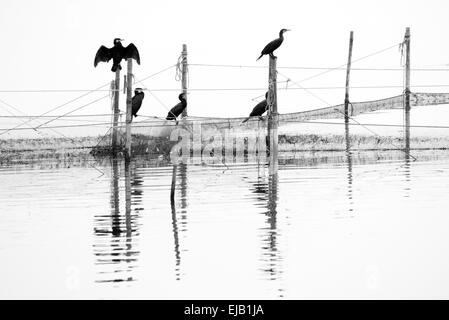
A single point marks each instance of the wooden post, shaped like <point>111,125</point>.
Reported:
<point>116,112</point>
<point>184,75</point>
<point>407,89</point>
<point>273,116</point>
<point>129,104</point>
<point>348,72</point>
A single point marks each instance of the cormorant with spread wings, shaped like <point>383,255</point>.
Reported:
<point>117,53</point>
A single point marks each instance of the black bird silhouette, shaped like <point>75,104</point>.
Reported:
<point>259,109</point>
<point>137,101</point>
<point>178,109</point>
<point>117,53</point>
<point>273,45</point>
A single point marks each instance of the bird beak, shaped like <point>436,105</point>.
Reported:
<point>288,30</point>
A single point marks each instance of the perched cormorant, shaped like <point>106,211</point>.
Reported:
<point>273,45</point>
<point>259,109</point>
<point>117,53</point>
<point>178,109</point>
<point>137,101</point>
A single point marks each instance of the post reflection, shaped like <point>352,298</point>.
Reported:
<point>266,191</point>
<point>176,241</point>
<point>349,175</point>
<point>271,237</point>
<point>181,200</point>
<point>407,173</point>
<point>116,233</point>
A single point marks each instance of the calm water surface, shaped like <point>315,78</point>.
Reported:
<point>363,225</point>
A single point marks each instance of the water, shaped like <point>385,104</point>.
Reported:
<point>329,225</point>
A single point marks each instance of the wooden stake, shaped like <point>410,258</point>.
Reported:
<point>348,72</point>
<point>273,116</point>
<point>184,75</point>
<point>115,141</point>
<point>407,89</point>
<point>129,109</point>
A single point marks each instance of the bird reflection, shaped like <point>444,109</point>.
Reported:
<point>260,188</point>
<point>116,233</point>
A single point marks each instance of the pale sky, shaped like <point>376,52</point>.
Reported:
<point>51,45</point>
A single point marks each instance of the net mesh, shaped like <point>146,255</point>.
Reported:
<point>159,127</point>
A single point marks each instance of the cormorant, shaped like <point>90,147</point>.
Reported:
<point>273,45</point>
<point>259,109</point>
<point>137,101</point>
<point>117,53</point>
<point>178,109</point>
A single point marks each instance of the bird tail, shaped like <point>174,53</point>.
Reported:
<point>260,57</point>
<point>245,120</point>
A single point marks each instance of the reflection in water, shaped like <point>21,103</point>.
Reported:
<point>40,219</point>
<point>350,176</point>
<point>260,188</point>
<point>183,211</point>
<point>183,188</point>
<point>266,190</point>
<point>407,165</point>
<point>116,233</point>
<point>272,253</point>
<point>176,238</point>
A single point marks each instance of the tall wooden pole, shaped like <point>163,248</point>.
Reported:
<point>129,89</point>
<point>184,75</point>
<point>407,89</point>
<point>273,116</point>
<point>348,73</point>
<point>116,112</point>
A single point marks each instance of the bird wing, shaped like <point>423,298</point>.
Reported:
<point>273,45</point>
<point>137,101</point>
<point>103,55</point>
<point>132,52</point>
<point>259,109</point>
<point>177,110</point>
